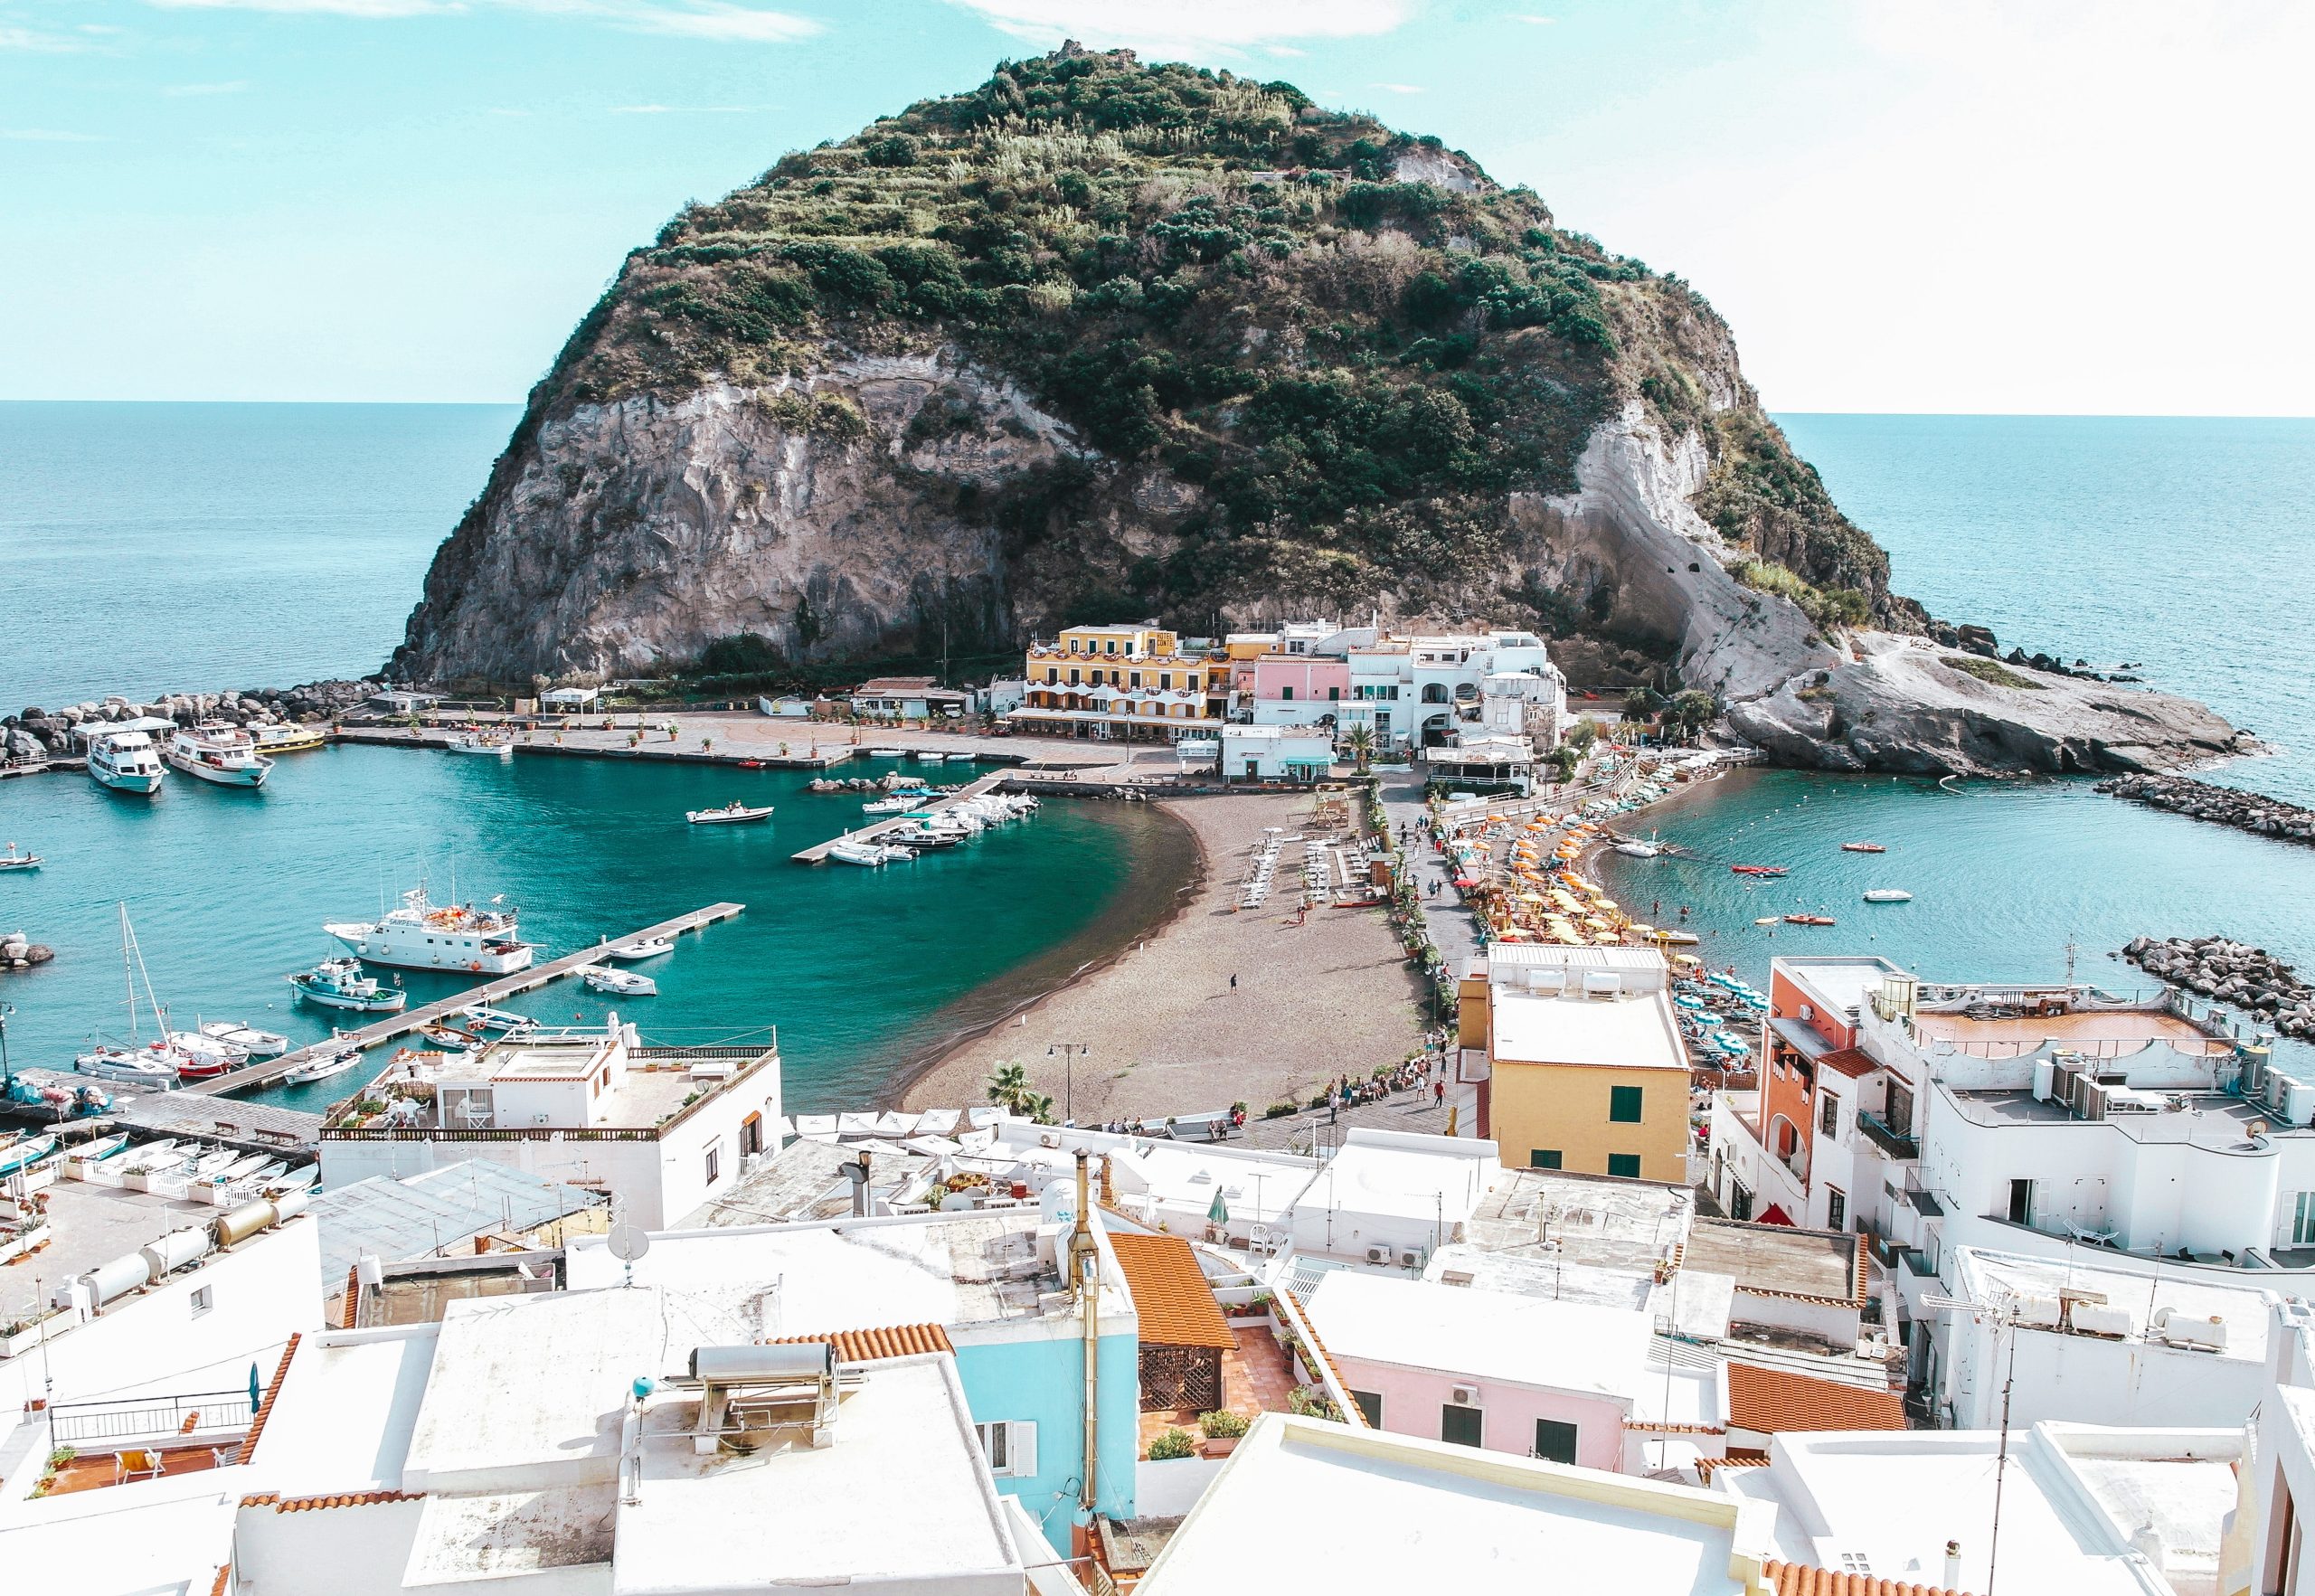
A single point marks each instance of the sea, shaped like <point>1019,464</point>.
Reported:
<point>153,547</point>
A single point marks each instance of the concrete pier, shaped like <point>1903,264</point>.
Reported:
<point>818,853</point>
<point>489,992</point>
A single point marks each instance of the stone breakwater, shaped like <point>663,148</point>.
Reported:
<point>34,732</point>
<point>2231,973</point>
<point>2222,806</point>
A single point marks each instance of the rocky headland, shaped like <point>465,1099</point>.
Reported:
<point>34,732</point>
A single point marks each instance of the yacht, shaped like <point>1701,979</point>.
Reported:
<point>421,935</point>
<point>731,814</point>
<point>339,983</point>
<point>125,762</point>
<point>217,751</point>
<point>247,1039</point>
<point>152,1065</point>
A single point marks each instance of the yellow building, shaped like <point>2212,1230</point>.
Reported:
<point>1585,1068</point>
<point>1127,682</point>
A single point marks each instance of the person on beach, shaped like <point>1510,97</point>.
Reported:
<point>1233,980</point>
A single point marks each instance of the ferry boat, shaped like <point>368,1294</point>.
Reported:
<point>339,983</point>
<point>421,935</point>
<point>125,762</point>
<point>218,752</point>
<point>12,860</point>
<point>280,737</point>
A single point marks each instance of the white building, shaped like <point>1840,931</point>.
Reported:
<point>662,1130</point>
<point>1276,753</point>
<point>2270,1547</point>
<point>1003,695</point>
<point>1392,1199</point>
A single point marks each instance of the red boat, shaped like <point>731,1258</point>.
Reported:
<point>1808,919</point>
<point>1756,869</point>
<point>751,764</point>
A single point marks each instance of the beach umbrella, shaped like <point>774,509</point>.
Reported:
<point>255,1389</point>
<point>1218,1211</point>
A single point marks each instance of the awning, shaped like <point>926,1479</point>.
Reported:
<point>1301,763</point>
<point>1800,1039</point>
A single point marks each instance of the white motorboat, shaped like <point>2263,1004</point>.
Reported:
<point>422,935</point>
<point>494,1019</point>
<point>322,1066</point>
<point>900,805</point>
<point>248,1040</point>
<point>867,852</point>
<point>12,860</point>
<point>339,983</point>
<point>128,1067</point>
<point>1637,850</point>
<point>495,745</point>
<point>641,947</point>
<point>125,762</point>
<point>729,815</point>
<point>212,1057</point>
<point>1888,895</point>
<point>218,752</point>
<point>622,983</point>
<point>888,753</point>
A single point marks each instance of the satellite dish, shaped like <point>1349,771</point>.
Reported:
<point>626,1242</point>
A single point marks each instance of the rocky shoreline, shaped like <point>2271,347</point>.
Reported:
<point>35,734</point>
<point>2233,973</point>
<point>2221,805</point>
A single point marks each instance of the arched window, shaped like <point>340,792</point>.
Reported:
<point>1434,693</point>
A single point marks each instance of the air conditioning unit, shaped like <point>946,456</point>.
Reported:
<point>1409,1259</point>
<point>1464,1396</point>
<point>1049,1139</point>
<point>1378,1255</point>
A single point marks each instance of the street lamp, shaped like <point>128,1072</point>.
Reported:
<point>1070,1051</point>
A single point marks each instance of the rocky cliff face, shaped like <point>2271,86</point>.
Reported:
<point>1101,340</point>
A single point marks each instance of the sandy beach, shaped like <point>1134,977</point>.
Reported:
<point>1167,1032</point>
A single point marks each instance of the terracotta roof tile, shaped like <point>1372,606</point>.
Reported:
<point>1708,1466</point>
<point>1170,1293</point>
<point>345,1499</point>
<point>265,1408</point>
<point>1775,1400</point>
<point>1793,1579</point>
<point>217,1585</point>
<point>350,1310</point>
<point>865,1346</point>
<point>1849,1062</point>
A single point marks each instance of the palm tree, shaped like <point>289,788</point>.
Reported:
<point>1009,1087</point>
<point>1036,1107</point>
<point>1361,743</point>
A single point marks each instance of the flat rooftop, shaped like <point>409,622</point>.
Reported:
<point>1429,1178</point>
<point>91,1224</point>
<point>1625,1224</point>
<point>804,1181</point>
<point>1392,1513</point>
<point>1573,1346</point>
<point>1842,981</point>
<point>2103,1033</point>
<point>346,1411</point>
<point>958,1270</point>
<point>2213,1120</point>
<point>1634,1031</point>
<point>1777,1258</point>
<point>2138,1293</point>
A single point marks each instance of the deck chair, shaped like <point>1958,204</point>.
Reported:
<point>137,1463</point>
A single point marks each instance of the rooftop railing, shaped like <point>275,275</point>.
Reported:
<point>1895,1143</point>
<point>195,1416</point>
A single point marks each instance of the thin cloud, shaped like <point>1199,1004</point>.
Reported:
<point>48,136</point>
<point>694,110</point>
<point>1397,87</point>
<point>722,20</point>
<point>196,90</point>
<point>1536,21</point>
<point>1189,27</point>
<point>35,43</point>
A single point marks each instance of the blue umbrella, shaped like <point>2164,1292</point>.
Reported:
<point>254,1388</point>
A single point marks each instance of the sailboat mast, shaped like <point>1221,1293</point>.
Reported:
<point>127,975</point>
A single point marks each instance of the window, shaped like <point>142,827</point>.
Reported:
<point>1829,1114</point>
<point>1011,1448</point>
<point>1555,1442</point>
<point>714,1162</point>
<point>752,1134</point>
<point>1166,681</point>
<point>1461,1425</point>
<point>1113,646</point>
<point>1136,679</point>
<point>1543,1158</point>
<point>204,1299</point>
<point>1624,1163</point>
<point>1901,1109</point>
<point>1740,1200</point>
<point>2302,1221</point>
<point>1287,694</point>
<point>1371,1404</point>
<point>1835,1209</point>
<point>1334,692</point>
<point>2021,1202</point>
<point>1623,1105</point>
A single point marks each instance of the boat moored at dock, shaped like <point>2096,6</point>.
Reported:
<point>281,737</point>
<point>339,983</point>
<point>619,983</point>
<point>495,745</point>
<point>123,758</point>
<point>422,935</point>
<point>218,752</point>
<point>247,1040</point>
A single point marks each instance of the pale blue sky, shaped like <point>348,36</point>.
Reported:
<point>1953,205</point>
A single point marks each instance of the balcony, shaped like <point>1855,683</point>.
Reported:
<point>1892,1143</point>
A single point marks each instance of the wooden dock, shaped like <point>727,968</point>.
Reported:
<point>489,992</point>
<point>818,853</point>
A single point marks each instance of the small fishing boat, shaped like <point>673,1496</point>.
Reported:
<point>888,753</point>
<point>322,1066</point>
<point>641,947</point>
<point>869,854</point>
<point>1638,850</point>
<point>493,745</point>
<point>900,805</point>
<point>621,983</point>
<point>494,1019</point>
<point>729,815</point>
<point>204,1057</point>
<point>1808,919</point>
<point>1863,848</point>
<point>339,983</point>
<point>99,1150</point>
<point>751,764</point>
<point>1766,920</point>
<point>450,1039</point>
<point>12,860</point>
<point>247,1040</point>
<point>1888,895</point>
<point>1757,870</point>
<point>19,1157</point>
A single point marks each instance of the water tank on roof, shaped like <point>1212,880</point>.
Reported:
<point>108,1280</point>
<point>178,1249</point>
<point>800,1360</point>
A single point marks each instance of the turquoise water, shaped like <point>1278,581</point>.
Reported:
<point>861,970</point>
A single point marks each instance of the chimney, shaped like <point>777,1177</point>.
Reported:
<point>1953,1565</point>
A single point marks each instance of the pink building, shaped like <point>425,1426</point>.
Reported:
<point>1534,1376</point>
<point>1287,684</point>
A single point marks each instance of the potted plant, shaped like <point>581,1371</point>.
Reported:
<point>1222,1428</point>
<point>1173,1444</point>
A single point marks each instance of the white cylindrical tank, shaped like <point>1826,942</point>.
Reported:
<point>176,1249</point>
<point>108,1280</point>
